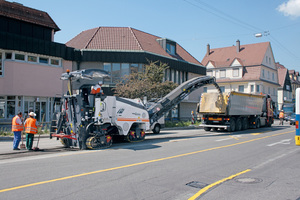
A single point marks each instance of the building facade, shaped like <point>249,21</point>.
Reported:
<point>123,50</point>
<point>245,68</point>
<point>30,62</point>
<point>285,89</point>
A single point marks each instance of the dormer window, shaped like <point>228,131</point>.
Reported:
<point>170,49</point>
<point>168,45</point>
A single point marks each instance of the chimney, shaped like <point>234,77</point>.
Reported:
<point>207,50</point>
<point>237,46</point>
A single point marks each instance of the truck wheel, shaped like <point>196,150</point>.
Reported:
<point>257,123</point>
<point>206,128</point>
<point>232,125</point>
<point>245,124</point>
<point>238,125</point>
<point>156,129</point>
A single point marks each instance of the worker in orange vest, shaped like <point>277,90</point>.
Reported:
<point>17,128</point>
<point>31,126</point>
<point>281,117</point>
<point>97,88</point>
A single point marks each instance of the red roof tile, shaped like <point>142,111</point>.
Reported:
<point>127,39</point>
<point>249,55</point>
<point>282,75</point>
<point>19,12</point>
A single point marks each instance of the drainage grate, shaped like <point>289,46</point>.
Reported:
<point>197,184</point>
<point>248,180</point>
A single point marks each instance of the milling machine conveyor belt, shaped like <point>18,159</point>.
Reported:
<point>177,95</point>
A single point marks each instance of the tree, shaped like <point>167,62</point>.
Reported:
<point>147,84</point>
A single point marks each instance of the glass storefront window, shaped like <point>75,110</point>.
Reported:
<point>2,107</point>
<point>107,67</point>
<point>134,68</point>
<point>125,69</point>
<point>10,109</point>
<point>116,72</point>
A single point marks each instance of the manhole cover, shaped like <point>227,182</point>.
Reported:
<point>197,184</point>
<point>248,180</point>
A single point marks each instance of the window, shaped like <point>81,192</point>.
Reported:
<point>222,88</point>
<point>209,73</point>
<point>222,73</point>
<point>2,106</point>
<point>43,60</point>
<point>55,62</point>
<point>19,56</point>
<point>134,68</point>
<point>204,89</point>
<point>116,72</point>
<point>8,56</point>
<point>268,75</point>
<point>287,87</point>
<point>125,69</point>
<point>269,60</point>
<point>269,90</point>
<point>171,49</point>
<point>263,73</point>
<point>252,88</point>
<point>273,76</point>
<point>1,68</point>
<point>241,88</point>
<point>235,72</point>
<point>257,88</point>
<point>32,59</point>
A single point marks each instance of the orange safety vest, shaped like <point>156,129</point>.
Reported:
<point>30,126</point>
<point>281,115</point>
<point>15,125</point>
<point>96,89</point>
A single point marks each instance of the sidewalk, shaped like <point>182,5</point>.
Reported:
<point>6,144</point>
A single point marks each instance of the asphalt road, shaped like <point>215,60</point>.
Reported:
<point>184,164</point>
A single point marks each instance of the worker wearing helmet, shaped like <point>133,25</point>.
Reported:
<point>31,126</point>
<point>97,88</point>
<point>281,116</point>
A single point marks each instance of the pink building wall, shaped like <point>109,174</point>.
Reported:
<point>28,79</point>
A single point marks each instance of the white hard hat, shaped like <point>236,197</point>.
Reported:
<point>100,83</point>
<point>32,114</point>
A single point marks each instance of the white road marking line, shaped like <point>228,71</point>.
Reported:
<point>286,141</point>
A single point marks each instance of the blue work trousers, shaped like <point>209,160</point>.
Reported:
<point>17,139</point>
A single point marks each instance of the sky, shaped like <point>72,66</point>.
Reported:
<point>191,23</point>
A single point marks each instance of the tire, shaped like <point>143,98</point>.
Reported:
<point>238,125</point>
<point>206,128</point>
<point>245,124</point>
<point>258,123</point>
<point>156,129</point>
<point>232,125</point>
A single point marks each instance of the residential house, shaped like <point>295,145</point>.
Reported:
<point>30,62</point>
<point>285,88</point>
<point>245,68</point>
<point>294,76</point>
<point>122,50</point>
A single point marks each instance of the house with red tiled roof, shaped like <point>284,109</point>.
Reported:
<point>122,50</point>
<point>295,81</point>
<point>30,62</point>
<point>285,88</point>
<point>246,68</point>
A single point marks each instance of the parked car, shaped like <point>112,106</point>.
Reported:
<point>292,119</point>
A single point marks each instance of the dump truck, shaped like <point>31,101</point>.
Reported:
<point>235,111</point>
<point>92,121</point>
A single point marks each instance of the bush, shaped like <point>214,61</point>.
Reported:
<point>180,123</point>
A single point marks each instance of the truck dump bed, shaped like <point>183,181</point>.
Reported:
<point>234,103</point>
